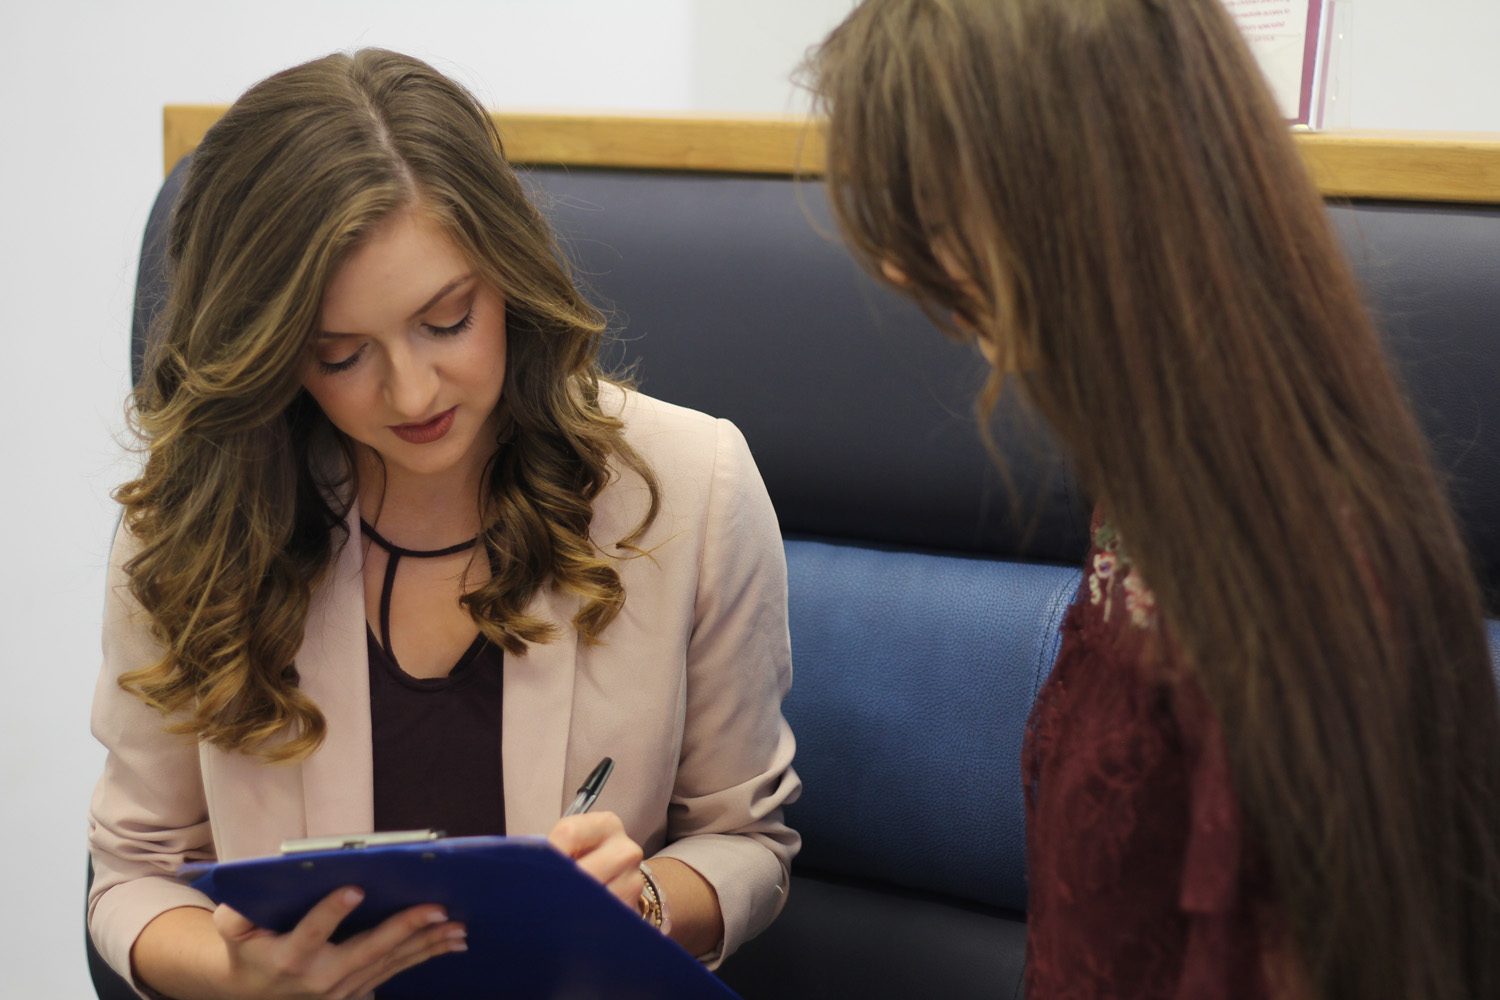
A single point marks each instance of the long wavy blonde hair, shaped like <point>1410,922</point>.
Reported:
<point>1104,190</point>
<point>237,514</point>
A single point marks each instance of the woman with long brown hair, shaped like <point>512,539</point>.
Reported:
<point>401,556</point>
<point>1267,762</point>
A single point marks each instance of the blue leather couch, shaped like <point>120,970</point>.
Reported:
<point>926,592</point>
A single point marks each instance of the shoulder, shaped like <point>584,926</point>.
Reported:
<point>121,608</point>
<point>646,417</point>
<point>674,440</point>
<point>702,464</point>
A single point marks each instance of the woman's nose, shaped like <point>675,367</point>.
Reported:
<point>411,385</point>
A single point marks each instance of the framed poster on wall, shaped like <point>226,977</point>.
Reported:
<point>1291,41</point>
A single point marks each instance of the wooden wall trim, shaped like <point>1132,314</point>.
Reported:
<point>182,128</point>
<point>1399,166</point>
<point>755,144</point>
<point>1405,166</point>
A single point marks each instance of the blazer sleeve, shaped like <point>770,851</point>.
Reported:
<point>735,773</point>
<point>148,815</point>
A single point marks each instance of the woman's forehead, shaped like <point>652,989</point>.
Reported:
<point>405,266</point>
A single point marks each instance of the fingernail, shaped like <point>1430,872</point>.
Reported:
<point>458,946</point>
<point>353,896</point>
<point>436,917</point>
<point>457,934</point>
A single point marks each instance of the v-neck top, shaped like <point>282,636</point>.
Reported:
<point>435,741</point>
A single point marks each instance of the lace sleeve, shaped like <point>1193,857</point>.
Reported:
<point>1222,955</point>
<point>1145,880</point>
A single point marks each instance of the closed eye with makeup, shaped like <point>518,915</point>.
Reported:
<point>329,346</point>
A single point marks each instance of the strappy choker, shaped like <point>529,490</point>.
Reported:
<point>396,554</point>
<point>397,550</point>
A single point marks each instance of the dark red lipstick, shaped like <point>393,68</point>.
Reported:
<point>426,432</point>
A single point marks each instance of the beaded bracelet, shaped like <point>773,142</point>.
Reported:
<point>653,905</point>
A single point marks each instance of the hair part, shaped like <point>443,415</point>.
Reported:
<point>239,508</point>
<point>1114,179</point>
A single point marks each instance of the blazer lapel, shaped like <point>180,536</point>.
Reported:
<point>535,719</point>
<point>338,781</point>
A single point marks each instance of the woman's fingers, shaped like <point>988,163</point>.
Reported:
<point>318,924</point>
<point>602,848</point>
<point>410,931</point>
<point>304,962</point>
<point>579,836</point>
<point>232,925</point>
<point>628,885</point>
<point>420,934</point>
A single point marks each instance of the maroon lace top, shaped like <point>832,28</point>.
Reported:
<point>1141,882</point>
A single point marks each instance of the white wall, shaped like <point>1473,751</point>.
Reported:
<point>1425,64</point>
<point>81,90</point>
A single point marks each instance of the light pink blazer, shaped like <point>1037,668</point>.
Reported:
<point>684,693</point>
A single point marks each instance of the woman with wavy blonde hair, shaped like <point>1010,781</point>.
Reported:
<point>402,557</point>
<point>1267,761</point>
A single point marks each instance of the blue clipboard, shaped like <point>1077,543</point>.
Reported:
<point>538,926</point>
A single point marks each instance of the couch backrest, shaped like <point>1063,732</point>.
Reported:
<point>1432,279</point>
<point>732,295</point>
<point>735,297</point>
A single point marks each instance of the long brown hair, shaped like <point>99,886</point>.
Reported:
<point>238,511</point>
<point>1104,189</point>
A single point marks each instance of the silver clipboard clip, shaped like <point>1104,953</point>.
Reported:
<point>355,841</point>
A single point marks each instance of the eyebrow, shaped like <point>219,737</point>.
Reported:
<point>441,292</point>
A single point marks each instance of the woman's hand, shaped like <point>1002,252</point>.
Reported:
<point>602,848</point>
<point>304,962</point>
<point>600,845</point>
<point>188,953</point>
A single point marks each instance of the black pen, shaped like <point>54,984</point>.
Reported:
<point>590,788</point>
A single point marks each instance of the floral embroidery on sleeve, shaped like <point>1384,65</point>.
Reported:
<point>1139,602</point>
<point>1111,564</point>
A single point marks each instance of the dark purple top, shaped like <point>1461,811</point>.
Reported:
<point>436,741</point>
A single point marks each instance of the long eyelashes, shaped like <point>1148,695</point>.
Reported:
<point>459,327</point>
<point>334,367</point>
